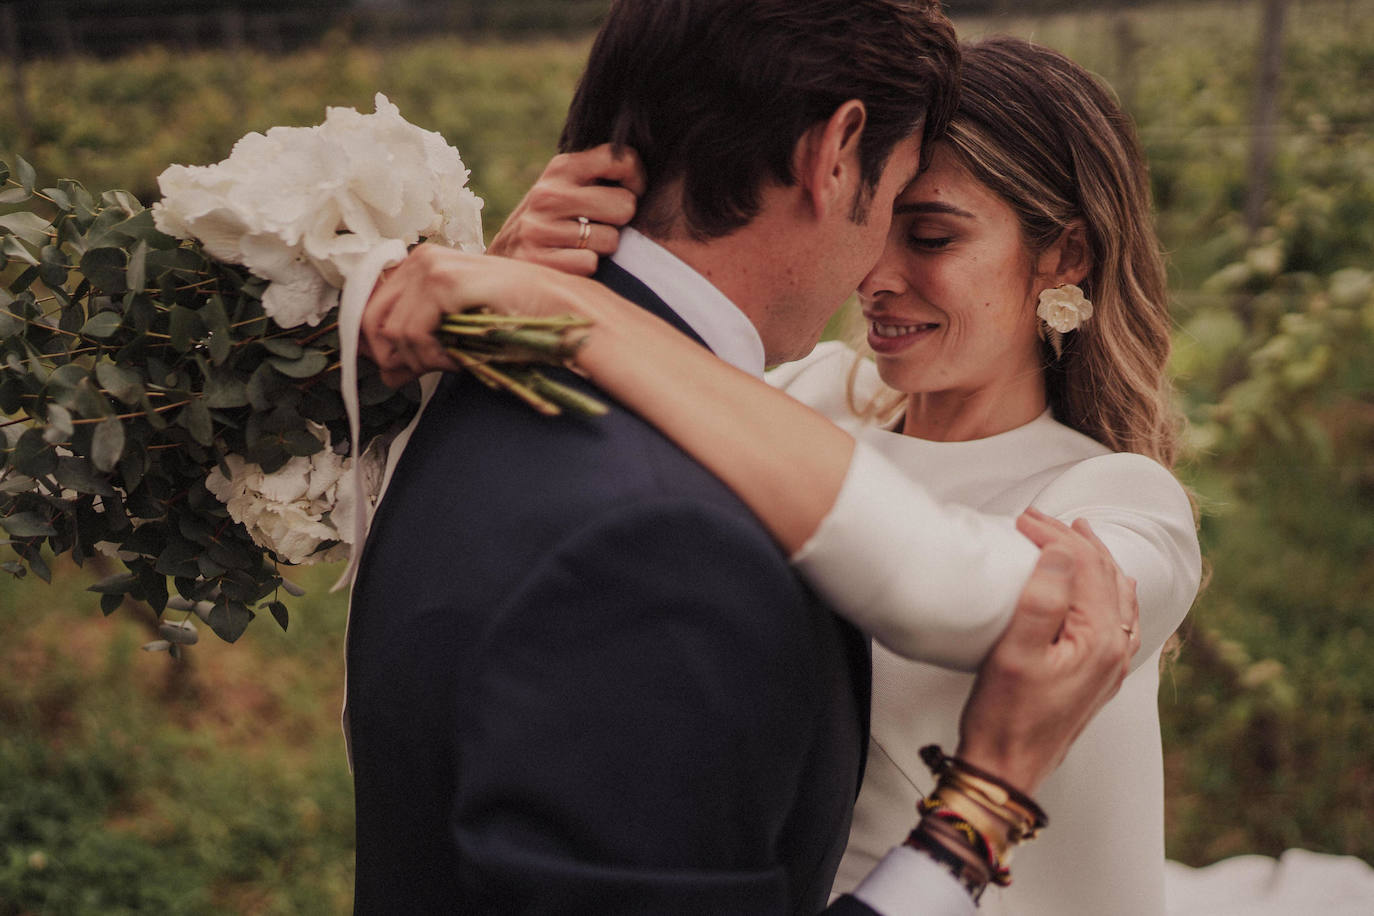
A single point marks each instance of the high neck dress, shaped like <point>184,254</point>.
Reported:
<point>881,558</point>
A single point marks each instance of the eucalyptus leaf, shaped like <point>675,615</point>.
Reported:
<point>102,325</point>
<point>32,456</point>
<point>60,427</point>
<point>107,443</point>
<point>60,198</point>
<point>105,268</point>
<point>120,584</point>
<point>137,274</point>
<point>30,227</point>
<point>52,266</point>
<point>24,173</point>
<point>181,632</point>
<point>124,384</point>
<point>312,363</point>
<point>195,419</point>
<point>184,327</point>
<point>75,473</point>
<point>27,525</point>
<point>82,204</point>
<point>229,619</point>
<point>279,613</point>
<point>117,200</point>
<point>141,228</point>
<point>14,248</point>
<point>39,566</point>
<point>73,316</point>
<point>14,196</point>
<point>283,347</point>
<point>179,559</point>
<point>132,467</point>
<point>222,391</point>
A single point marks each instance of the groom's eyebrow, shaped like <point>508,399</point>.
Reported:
<point>929,206</point>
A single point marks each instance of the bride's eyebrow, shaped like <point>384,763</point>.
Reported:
<point>930,206</point>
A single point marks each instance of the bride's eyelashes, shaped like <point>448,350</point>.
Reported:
<point>929,243</point>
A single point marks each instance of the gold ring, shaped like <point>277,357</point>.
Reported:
<point>585,232</point>
<point>1130,630</point>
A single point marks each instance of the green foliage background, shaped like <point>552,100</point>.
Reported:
<point>218,785</point>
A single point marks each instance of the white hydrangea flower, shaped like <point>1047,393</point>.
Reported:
<point>1064,308</point>
<point>299,206</point>
<point>301,505</point>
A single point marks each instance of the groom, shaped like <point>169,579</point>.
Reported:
<point>582,677</point>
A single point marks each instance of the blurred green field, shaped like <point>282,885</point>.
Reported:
<point>131,784</point>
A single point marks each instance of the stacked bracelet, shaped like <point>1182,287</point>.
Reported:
<point>1023,817</point>
<point>972,821</point>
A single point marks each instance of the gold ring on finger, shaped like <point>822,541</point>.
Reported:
<point>584,232</point>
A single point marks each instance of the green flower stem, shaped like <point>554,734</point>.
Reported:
<point>495,378</point>
<point>463,319</point>
<point>568,397</point>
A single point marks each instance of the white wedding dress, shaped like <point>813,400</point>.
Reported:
<point>938,582</point>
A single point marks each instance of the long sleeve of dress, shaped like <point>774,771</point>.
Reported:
<point>937,582</point>
<point>902,555</point>
<point>934,583</point>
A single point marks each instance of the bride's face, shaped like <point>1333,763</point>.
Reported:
<point>951,303</point>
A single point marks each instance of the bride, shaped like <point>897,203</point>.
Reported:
<point>991,385</point>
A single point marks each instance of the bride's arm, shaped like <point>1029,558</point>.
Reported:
<point>932,582</point>
<point>785,461</point>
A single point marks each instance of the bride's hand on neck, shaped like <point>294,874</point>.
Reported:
<point>573,214</point>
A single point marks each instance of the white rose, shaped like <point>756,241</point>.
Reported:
<point>1064,308</point>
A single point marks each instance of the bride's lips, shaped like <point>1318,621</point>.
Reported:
<point>888,336</point>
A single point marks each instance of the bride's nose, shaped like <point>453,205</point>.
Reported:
<point>886,277</point>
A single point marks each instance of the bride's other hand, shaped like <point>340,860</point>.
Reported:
<point>1063,656</point>
<point>573,214</point>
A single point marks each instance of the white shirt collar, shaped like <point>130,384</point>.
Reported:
<point>717,321</point>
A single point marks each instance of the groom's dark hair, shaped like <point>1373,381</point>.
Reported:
<point>716,93</point>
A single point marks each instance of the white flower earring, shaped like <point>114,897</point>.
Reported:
<point>1062,309</point>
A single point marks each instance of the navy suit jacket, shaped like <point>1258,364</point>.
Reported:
<point>583,679</point>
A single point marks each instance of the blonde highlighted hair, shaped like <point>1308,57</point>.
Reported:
<point>1050,140</point>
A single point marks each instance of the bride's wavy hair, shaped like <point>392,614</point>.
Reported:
<point>715,94</point>
<point>1049,138</point>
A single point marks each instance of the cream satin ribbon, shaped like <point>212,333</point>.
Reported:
<point>359,281</point>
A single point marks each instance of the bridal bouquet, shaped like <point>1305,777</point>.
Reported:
<point>181,388</point>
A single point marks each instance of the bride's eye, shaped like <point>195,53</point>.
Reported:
<point>929,242</point>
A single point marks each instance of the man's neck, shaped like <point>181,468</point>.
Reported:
<point>705,308</point>
<point>738,265</point>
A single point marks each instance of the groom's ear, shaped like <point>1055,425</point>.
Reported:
<point>826,160</point>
